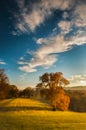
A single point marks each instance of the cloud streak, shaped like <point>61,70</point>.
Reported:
<point>2,62</point>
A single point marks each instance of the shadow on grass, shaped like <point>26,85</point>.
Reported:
<point>4,106</point>
<point>25,108</point>
<point>6,102</point>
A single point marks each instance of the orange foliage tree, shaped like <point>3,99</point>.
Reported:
<point>55,92</point>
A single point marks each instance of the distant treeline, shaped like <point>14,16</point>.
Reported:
<point>77,100</point>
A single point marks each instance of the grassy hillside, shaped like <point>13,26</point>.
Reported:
<point>22,104</point>
<point>27,114</point>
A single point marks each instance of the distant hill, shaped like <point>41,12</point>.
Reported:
<point>75,88</point>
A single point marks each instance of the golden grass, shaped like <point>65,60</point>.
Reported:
<point>29,114</point>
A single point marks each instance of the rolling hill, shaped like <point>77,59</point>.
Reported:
<point>30,114</point>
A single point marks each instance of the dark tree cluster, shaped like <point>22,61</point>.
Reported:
<point>27,92</point>
<point>11,91</point>
<point>7,90</point>
<point>77,100</point>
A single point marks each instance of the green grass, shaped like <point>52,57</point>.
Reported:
<point>27,114</point>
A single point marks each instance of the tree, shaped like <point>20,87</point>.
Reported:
<point>53,78</point>
<point>27,92</point>
<point>4,85</point>
<point>3,77</point>
<point>55,92</point>
<point>13,91</point>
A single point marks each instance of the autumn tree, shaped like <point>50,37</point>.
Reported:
<point>55,92</point>
<point>4,84</point>
<point>7,90</point>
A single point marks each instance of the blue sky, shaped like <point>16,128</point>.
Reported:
<point>43,36</point>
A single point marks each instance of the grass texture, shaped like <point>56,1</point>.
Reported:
<point>30,114</point>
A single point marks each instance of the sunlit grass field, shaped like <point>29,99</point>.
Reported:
<point>30,114</point>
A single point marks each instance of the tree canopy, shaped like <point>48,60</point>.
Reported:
<point>3,77</point>
<point>55,92</point>
<point>57,79</point>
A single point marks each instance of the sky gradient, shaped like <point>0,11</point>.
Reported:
<point>38,36</point>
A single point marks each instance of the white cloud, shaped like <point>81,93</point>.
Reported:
<point>2,62</point>
<point>83,82</point>
<point>77,40</point>
<point>34,19</point>
<point>21,27</point>
<point>40,11</point>
<point>45,55</point>
<point>79,17</point>
<point>27,69</point>
<point>40,41</point>
<point>33,15</point>
<point>78,79</point>
<point>22,62</point>
<point>65,26</point>
<point>44,61</point>
<point>52,45</point>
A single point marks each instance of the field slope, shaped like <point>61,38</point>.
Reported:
<point>28,114</point>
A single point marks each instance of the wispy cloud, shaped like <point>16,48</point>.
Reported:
<point>33,15</point>
<point>21,58</point>
<point>79,17</point>
<point>46,56</point>
<point>78,79</point>
<point>27,69</point>
<point>2,62</point>
<point>65,26</point>
<point>72,31</point>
